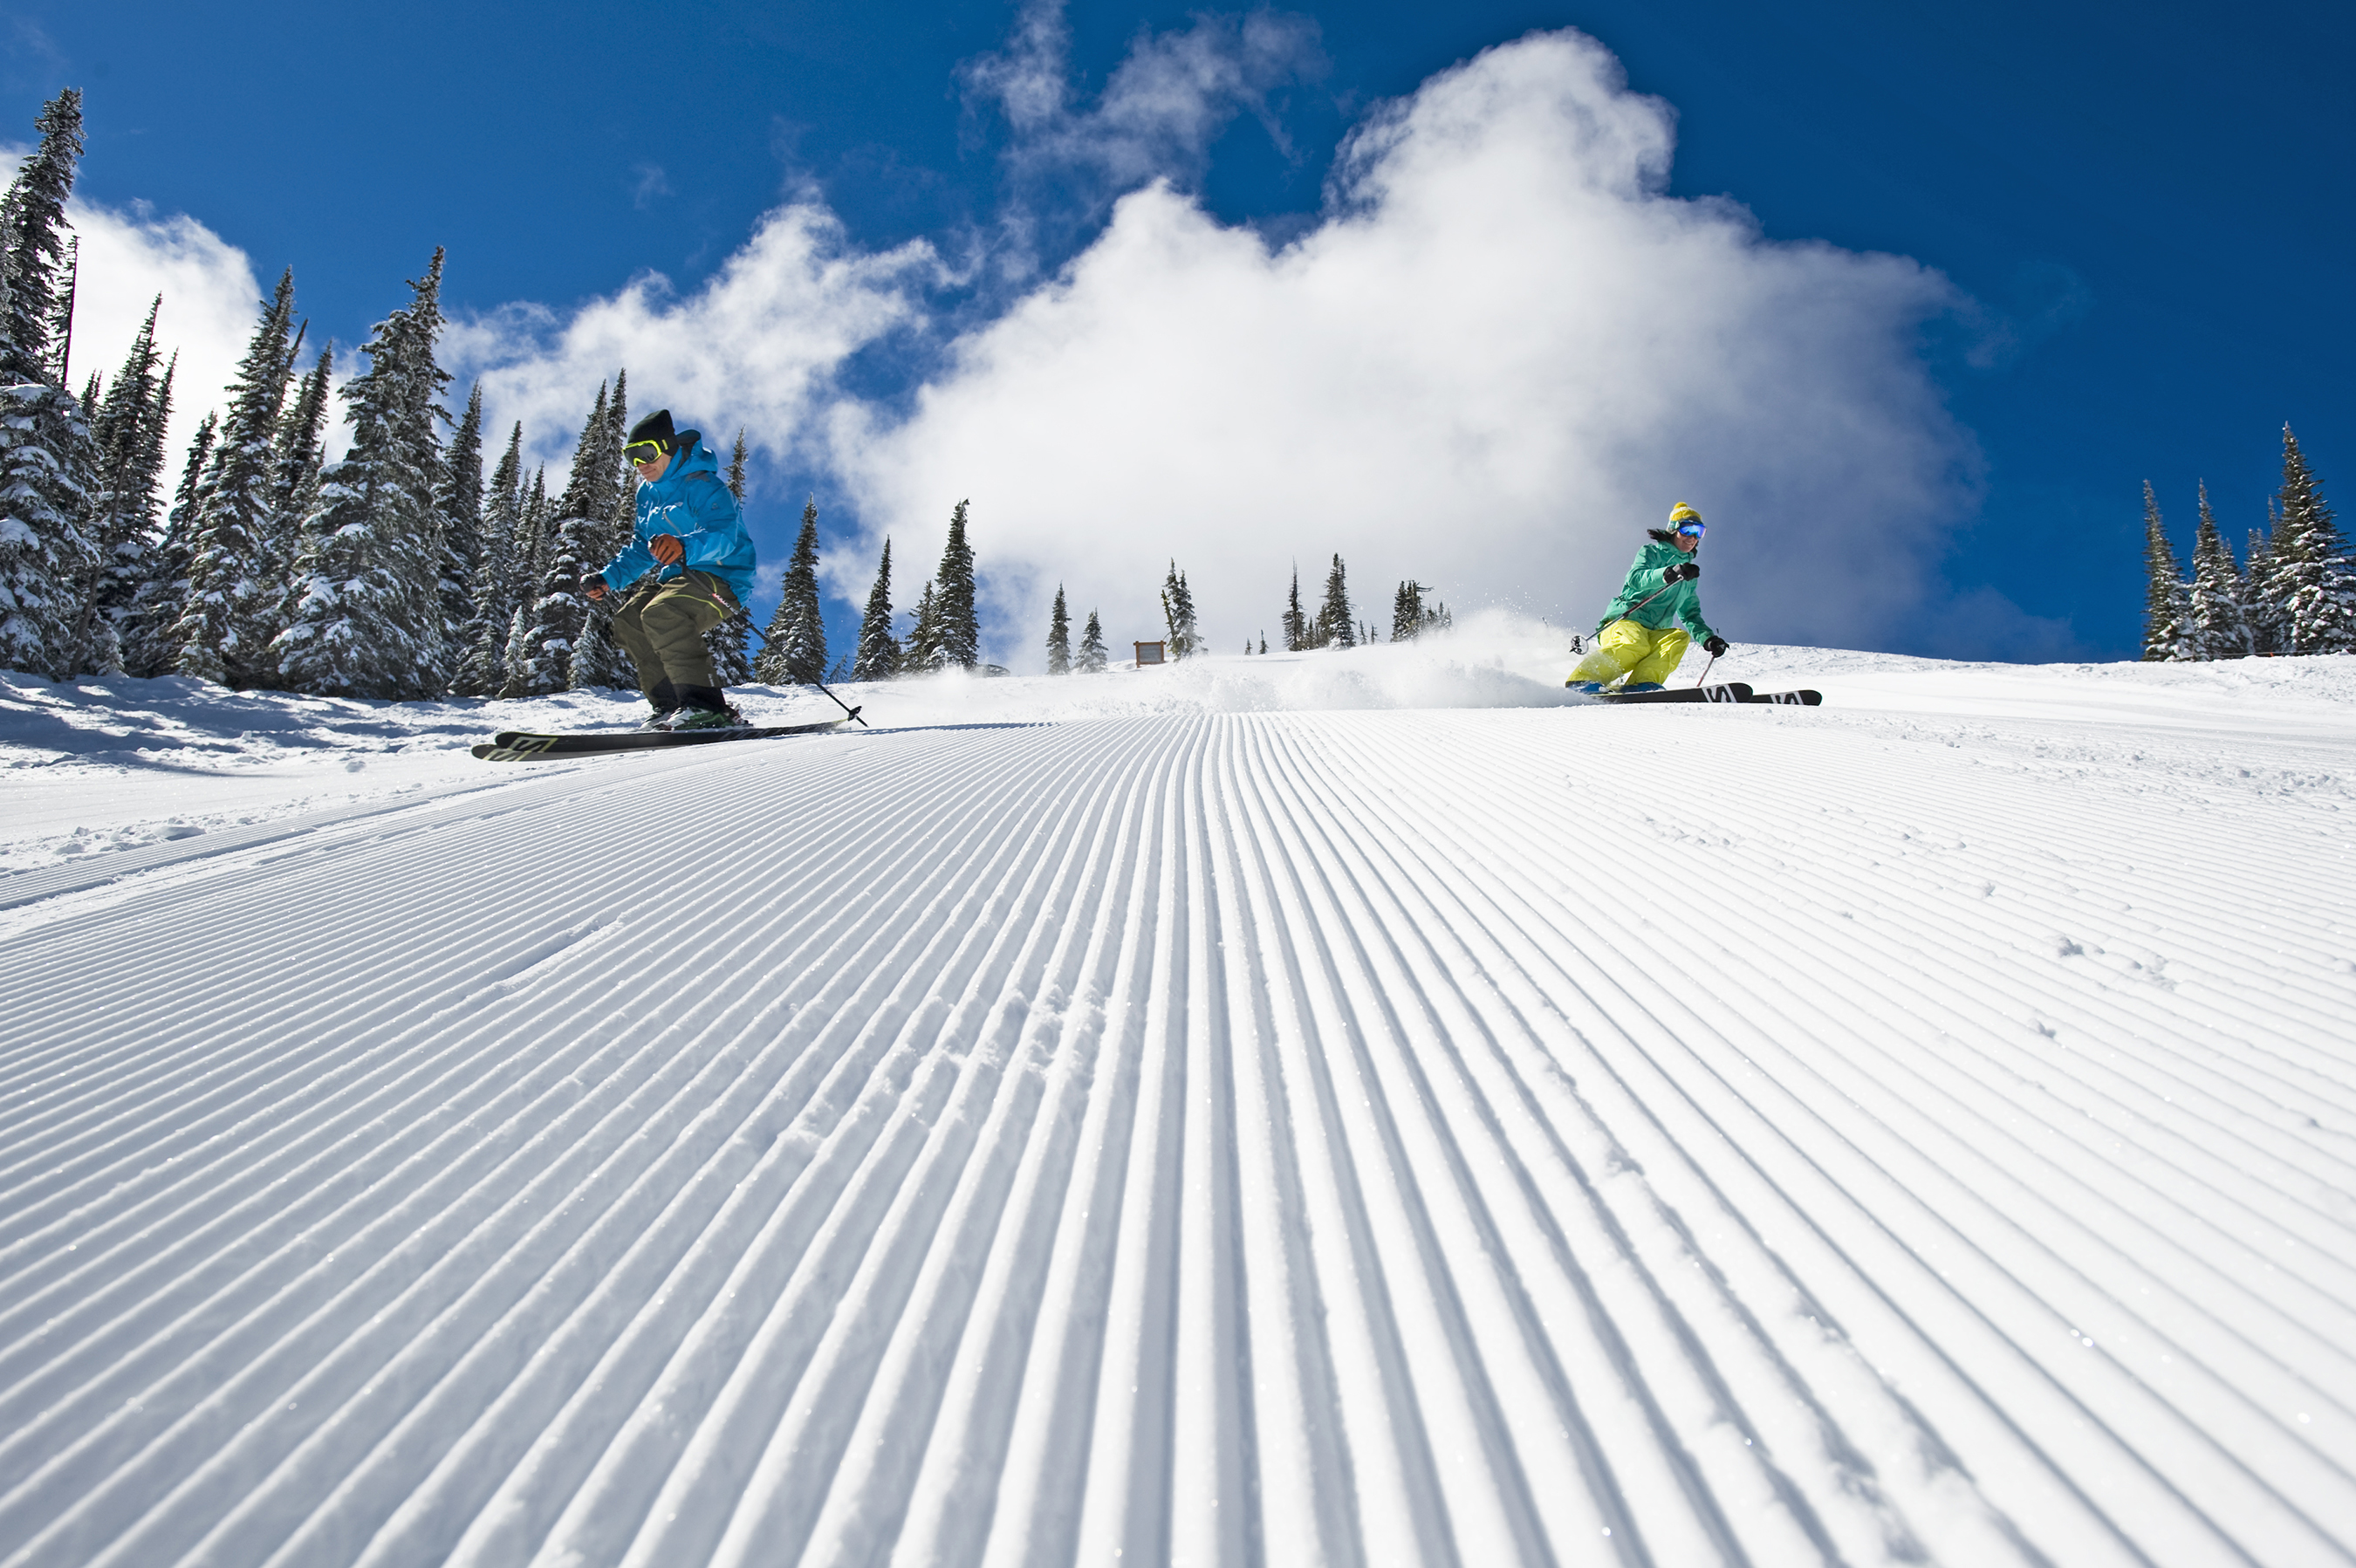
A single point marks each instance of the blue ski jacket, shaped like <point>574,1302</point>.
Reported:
<point>1644,579</point>
<point>693,503</point>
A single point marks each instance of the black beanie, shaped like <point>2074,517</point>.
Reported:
<point>654,428</point>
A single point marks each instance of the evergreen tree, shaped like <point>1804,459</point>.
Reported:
<point>879,650</point>
<point>2314,582</point>
<point>46,560</point>
<point>571,544</point>
<point>33,249</point>
<point>1178,614</point>
<point>2261,605</point>
<point>535,525</point>
<point>559,610</point>
<point>1336,627</point>
<point>368,623</point>
<point>48,463</point>
<point>1092,660</point>
<point>301,448</point>
<point>795,651</point>
<point>923,649</point>
<point>2167,606</point>
<point>235,571</point>
<point>1406,611</point>
<point>953,605</point>
<point>736,468</point>
<point>1059,637</point>
<point>458,501</point>
<point>127,435</point>
<point>484,669</point>
<point>732,660</point>
<point>2220,630</point>
<point>1296,623</point>
<point>602,490</point>
<point>731,663</point>
<point>163,590</point>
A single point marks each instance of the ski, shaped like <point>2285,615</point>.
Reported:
<point>519,746</point>
<point>1732,692</point>
<point>1805,699</point>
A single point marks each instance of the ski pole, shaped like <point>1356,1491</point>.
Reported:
<point>1705,669</point>
<point>813,680</point>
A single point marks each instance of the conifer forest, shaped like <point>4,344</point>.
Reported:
<point>2293,590</point>
<point>398,571</point>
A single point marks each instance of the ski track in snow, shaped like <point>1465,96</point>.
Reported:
<point>1293,1138</point>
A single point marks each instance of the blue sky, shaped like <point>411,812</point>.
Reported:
<point>2145,226</point>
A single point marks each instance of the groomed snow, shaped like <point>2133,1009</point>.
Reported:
<point>1359,1107</point>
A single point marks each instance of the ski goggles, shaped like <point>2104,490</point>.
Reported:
<point>1691,528</point>
<point>643,451</point>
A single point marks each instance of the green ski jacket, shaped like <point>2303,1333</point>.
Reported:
<point>1680,603</point>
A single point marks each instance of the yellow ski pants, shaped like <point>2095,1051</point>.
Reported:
<point>1642,653</point>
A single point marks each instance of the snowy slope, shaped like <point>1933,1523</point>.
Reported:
<point>1347,1110</point>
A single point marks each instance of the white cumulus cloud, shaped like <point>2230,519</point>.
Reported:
<point>753,346</point>
<point>1502,352</point>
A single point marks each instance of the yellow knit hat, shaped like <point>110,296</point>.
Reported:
<point>1683,513</point>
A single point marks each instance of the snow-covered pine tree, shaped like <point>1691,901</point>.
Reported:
<point>2261,605</point>
<point>33,249</point>
<point>795,648</point>
<point>48,463</point>
<point>459,503</point>
<point>236,574</point>
<point>2220,630</point>
<point>302,447</point>
<point>2167,606</point>
<point>483,670</point>
<point>879,650</point>
<point>533,543</point>
<point>2313,578</point>
<point>1336,627</point>
<point>127,435</point>
<point>162,589</point>
<point>46,558</point>
<point>1178,614</point>
<point>732,660</point>
<point>559,609</point>
<point>603,485</point>
<point>1091,660</point>
<point>1296,622</point>
<point>369,622</point>
<point>1059,637</point>
<point>922,653</point>
<point>953,606</point>
<point>1406,611</point>
<point>571,543</point>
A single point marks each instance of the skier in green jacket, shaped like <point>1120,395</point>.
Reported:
<point>1639,637</point>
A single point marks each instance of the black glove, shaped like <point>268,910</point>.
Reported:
<point>1714,648</point>
<point>1685,570</point>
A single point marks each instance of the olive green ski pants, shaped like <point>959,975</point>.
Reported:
<point>661,628</point>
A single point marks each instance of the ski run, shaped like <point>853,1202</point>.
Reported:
<point>1369,1107</point>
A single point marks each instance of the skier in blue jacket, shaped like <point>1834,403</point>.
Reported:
<point>690,533</point>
